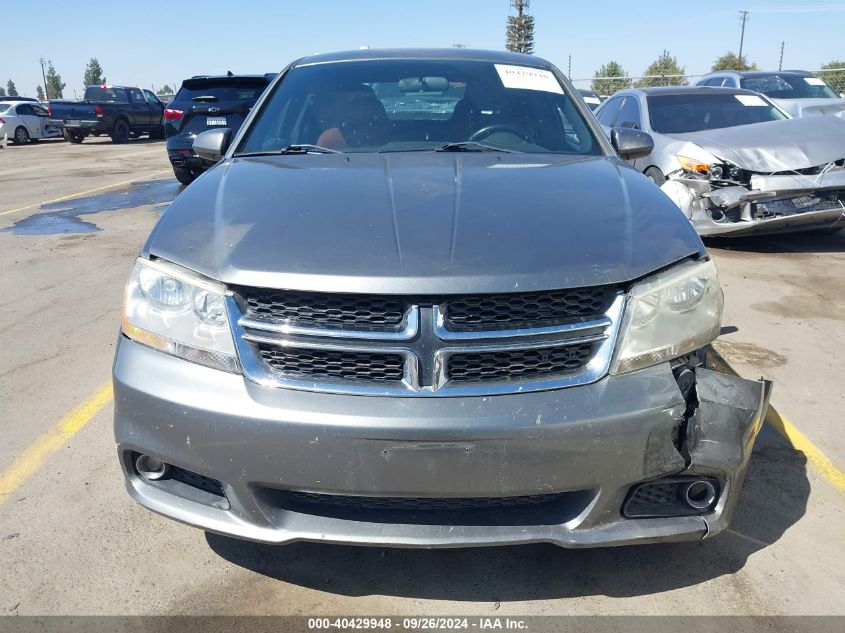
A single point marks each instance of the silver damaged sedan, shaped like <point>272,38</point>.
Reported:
<point>734,162</point>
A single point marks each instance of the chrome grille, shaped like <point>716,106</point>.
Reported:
<point>433,346</point>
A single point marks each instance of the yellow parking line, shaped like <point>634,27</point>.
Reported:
<point>796,438</point>
<point>799,442</point>
<point>31,459</point>
<point>81,193</point>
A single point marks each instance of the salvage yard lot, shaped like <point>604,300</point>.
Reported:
<point>72,541</point>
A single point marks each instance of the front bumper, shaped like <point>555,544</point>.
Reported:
<point>593,441</point>
<point>734,206</point>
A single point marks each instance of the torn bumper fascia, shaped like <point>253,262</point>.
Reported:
<point>721,435</point>
<point>704,201</point>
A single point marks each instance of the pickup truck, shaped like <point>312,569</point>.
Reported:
<point>118,111</point>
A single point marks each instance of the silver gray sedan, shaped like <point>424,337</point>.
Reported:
<point>733,161</point>
<point>799,92</point>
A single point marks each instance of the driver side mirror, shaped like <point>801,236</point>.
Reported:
<point>212,144</point>
<point>630,143</point>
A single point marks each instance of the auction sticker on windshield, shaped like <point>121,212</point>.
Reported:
<point>524,78</point>
<point>750,100</point>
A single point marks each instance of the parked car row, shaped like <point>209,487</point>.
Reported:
<point>737,162</point>
<point>122,112</point>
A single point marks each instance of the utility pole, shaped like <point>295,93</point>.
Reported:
<point>44,77</point>
<point>569,71</point>
<point>780,63</point>
<point>743,18</point>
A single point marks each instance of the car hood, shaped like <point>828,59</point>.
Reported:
<point>812,107</point>
<point>775,145</point>
<point>423,223</point>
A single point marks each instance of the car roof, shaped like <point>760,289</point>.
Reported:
<point>762,73</point>
<point>685,90</point>
<point>469,54</point>
<point>266,76</point>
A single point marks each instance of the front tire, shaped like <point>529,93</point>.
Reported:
<point>21,136</point>
<point>655,175</point>
<point>184,175</point>
<point>73,137</point>
<point>120,132</point>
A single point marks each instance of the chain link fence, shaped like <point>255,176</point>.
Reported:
<point>606,86</point>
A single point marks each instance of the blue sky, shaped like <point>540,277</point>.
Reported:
<point>150,43</point>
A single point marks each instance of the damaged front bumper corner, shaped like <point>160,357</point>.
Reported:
<point>771,204</point>
<point>721,434</point>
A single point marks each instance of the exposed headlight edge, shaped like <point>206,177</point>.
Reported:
<point>669,314</point>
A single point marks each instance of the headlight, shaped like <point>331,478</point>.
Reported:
<point>175,311</point>
<point>668,315</point>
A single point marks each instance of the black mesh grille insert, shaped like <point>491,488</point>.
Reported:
<point>316,309</point>
<point>526,309</point>
<point>545,509</point>
<point>370,366</point>
<point>517,364</point>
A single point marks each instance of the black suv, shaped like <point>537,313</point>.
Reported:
<point>202,103</point>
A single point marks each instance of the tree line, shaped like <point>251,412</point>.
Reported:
<point>666,71</point>
<point>93,75</point>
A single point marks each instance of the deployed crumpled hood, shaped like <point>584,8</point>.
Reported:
<point>812,107</point>
<point>423,223</point>
<point>775,145</point>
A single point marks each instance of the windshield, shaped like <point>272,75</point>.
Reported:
<point>106,95</point>
<point>221,90</point>
<point>789,87</point>
<point>676,114</point>
<point>407,105</point>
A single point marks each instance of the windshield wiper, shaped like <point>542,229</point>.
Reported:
<point>470,146</point>
<point>294,149</point>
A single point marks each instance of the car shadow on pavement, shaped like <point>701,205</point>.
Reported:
<point>773,499</point>
<point>810,242</point>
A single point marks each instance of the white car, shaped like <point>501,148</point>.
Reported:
<point>22,121</point>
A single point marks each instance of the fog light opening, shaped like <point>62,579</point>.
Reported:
<point>151,468</point>
<point>700,494</point>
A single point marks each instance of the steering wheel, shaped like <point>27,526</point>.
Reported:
<point>487,130</point>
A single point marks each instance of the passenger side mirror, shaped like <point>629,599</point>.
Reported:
<point>212,144</point>
<point>630,143</point>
